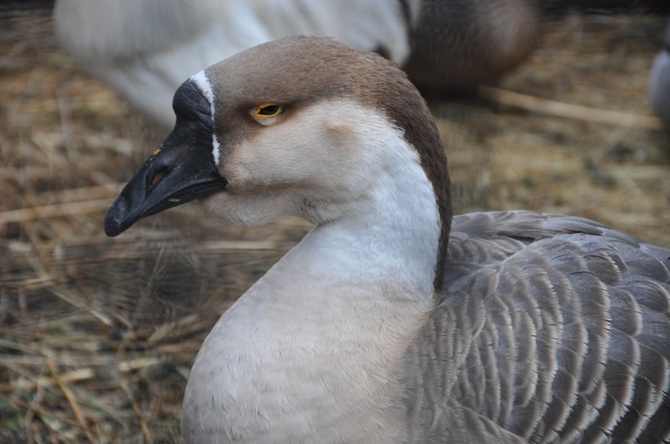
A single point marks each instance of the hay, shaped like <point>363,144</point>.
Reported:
<point>98,335</point>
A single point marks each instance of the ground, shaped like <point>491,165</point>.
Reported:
<point>97,335</point>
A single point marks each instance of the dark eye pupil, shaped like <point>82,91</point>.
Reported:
<point>268,110</point>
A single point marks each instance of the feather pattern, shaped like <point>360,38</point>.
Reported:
<point>559,333</point>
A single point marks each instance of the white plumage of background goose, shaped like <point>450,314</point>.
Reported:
<point>145,49</point>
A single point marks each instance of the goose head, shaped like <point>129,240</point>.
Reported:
<point>300,126</point>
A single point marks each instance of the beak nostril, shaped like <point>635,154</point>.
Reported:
<point>158,176</point>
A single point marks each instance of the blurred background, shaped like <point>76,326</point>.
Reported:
<point>97,335</point>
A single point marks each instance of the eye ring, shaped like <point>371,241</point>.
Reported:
<point>267,110</point>
<point>270,109</point>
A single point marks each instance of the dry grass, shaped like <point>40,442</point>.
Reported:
<point>98,334</point>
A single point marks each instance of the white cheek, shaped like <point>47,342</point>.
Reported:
<point>305,152</point>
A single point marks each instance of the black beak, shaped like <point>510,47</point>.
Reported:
<point>182,170</point>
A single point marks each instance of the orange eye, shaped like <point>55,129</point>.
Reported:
<point>267,110</point>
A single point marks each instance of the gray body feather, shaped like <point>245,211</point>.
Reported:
<point>552,329</point>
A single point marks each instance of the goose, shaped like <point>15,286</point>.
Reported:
<point>145,48</point>
<point>392,320</point>
<point>659,81</point>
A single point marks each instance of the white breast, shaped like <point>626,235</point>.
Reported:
<point>335,311</point>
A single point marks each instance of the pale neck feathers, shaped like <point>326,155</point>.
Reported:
<point>317,341</point>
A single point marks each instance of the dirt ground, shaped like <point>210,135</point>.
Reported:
<point>97,335</point>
